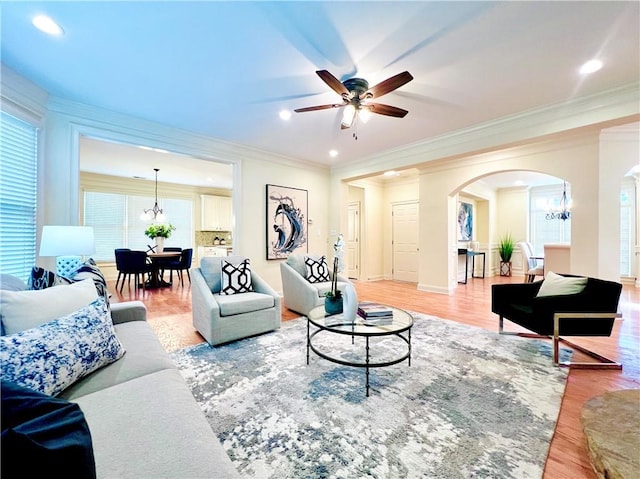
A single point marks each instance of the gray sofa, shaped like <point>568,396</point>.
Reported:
<point>223,318</point>
<point>144,421</point>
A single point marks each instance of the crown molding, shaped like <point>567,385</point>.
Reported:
<point>22,97</point>
<point>118,127</point>
<point>610,108</point>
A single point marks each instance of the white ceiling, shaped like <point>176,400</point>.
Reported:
<point>115,159</point>
<point>226,69</point>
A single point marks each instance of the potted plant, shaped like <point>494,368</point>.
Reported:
<point>158,232</point>
<point>505,249</point>
<point>333,298</point>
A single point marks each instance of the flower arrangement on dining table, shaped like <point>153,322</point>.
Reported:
<point>159,230</point>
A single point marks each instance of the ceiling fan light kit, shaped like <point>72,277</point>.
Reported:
<point>356,96</point>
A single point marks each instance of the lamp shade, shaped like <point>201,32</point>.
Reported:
<point>67,241</point>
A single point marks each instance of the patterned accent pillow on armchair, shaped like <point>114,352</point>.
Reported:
<point>317,269</point>
<point>236,278</point>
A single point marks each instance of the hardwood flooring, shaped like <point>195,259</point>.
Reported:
<point>169,313</point>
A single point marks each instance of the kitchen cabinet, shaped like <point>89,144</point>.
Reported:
<point>212,251</point>
<point>204,251</point>
<point>216,213</point>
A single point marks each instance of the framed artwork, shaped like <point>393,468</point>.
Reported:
<point>286,221</point>
<point>465,222</point>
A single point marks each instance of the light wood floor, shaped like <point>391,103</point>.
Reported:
<point>169,313</point>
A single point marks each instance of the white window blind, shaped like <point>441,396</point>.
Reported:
<point>116,222</point>
<point>628,218</point>
<point>18,187</point>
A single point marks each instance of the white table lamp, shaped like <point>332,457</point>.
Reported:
<point>68,244</point>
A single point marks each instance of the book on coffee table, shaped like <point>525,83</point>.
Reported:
<point>369,309</point>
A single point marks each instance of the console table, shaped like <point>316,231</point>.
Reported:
<point>472,254</point>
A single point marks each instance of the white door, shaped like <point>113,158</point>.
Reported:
<point>353,241</point>
<point>405,242</point>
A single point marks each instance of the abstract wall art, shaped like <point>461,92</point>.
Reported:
<point>465,222</point>
<point>286,221</point>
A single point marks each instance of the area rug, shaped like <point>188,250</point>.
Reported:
<point>473,404</point>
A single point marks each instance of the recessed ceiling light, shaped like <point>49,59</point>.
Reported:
<point>518,183</point>
<point>285,114</point>
<point>391,173</point>
<point>333,153</point>
<point>590,67</point>
<point>47,25</point>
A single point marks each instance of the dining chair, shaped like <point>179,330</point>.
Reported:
<point>134,263</point>
<point>120,262</point>
<point>165,263</point>
<point>533,265</point>
<point>179,265</point>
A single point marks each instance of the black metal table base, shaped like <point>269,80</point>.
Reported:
<point>367,364</point>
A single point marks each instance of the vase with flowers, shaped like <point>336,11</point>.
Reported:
<point>333,297</point>
<point>333,300</point>
<point>158,232</point>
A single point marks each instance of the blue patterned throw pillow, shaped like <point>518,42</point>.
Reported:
<point>41,278</point>
<point>89,269</point>
<point>236,278</point>
<point>317,269</point>
<point>51,357</point>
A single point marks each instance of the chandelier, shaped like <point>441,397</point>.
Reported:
<point>563,212</point>
<point>154,213</point>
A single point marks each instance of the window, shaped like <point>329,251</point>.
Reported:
<point>116,221</point>
<point>544,230</point>
<point>18,187</point>
<point>558,231</point>
<point>627,225</point>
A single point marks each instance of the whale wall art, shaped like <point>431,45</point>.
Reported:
<point>286,221</point>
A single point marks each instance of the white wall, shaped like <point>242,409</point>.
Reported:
<point>373,213</point>
<point>619,153</point>
<point>256,174</point>
<point>576,157</point>
<point>401,190</point>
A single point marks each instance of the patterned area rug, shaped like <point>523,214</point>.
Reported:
<point>472,404</point>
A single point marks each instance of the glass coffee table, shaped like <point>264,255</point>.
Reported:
<point>399,326</point>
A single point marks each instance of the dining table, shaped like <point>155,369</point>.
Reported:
<point>155,279</point>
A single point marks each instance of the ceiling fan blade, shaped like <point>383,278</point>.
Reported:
<point>319,107</point>
<point>335,84</point>
<point>387,110</point>
<point>387,85</point>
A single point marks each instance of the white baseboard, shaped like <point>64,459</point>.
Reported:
<point>434,289</point>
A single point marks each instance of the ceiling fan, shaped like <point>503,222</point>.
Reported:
<point>356,96</point>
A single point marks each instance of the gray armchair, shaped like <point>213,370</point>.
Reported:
<point>300,295</point>
<point>224,318</point>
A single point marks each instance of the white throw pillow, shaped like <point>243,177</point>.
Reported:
<point>22,310</point>
<point>236,278</point>
<point>556,285</point>
<point>317,269</point>
<point>51,357</point>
